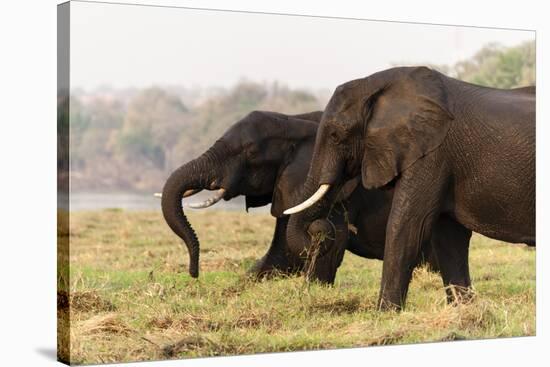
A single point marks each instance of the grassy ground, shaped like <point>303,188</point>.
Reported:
<point>132,299</point>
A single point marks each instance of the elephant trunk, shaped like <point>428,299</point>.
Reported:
<point>299,235</point>
<point>308,218</point>
<point>194,175</point>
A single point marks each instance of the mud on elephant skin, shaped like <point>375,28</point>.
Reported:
<point>447,147</point>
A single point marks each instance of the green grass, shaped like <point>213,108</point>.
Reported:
<point>132,299</point>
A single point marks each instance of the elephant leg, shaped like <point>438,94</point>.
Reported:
<point>415,207</point>
<point>277,260</point>
<point>451,243</point>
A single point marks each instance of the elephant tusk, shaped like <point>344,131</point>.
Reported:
<point>209,202</point>
<point>185,194</point>
<point>321,191</point>
<point>190,193</point>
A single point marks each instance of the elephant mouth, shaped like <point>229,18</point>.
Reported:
<point>219,193</point>
<point>222,188</point>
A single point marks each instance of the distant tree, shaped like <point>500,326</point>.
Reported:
<point>63,141</point>
<point>290,101</point>
<point>104,118</point>
<point>151,127</point>
<point>79,123</point>
<point>245,96</point>
<point>497,66</point>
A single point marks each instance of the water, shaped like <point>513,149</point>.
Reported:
<point>134,201</point>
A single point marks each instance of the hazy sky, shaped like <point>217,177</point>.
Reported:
<point>133,46</point>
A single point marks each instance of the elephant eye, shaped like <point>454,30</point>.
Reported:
<point>334,137</point>
<point>338,135</point>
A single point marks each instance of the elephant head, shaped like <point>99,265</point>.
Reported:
<point>375,128</point>
<point>247,160</point>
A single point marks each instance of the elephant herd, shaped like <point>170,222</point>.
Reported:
<point>401,166</point>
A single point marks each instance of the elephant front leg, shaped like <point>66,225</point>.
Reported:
<point>400,258</point>
<point>415,207</point>
<point>451,242</point>
<point>277,260</point>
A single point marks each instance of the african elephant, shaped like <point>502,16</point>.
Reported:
<point>265,156</point>
<point>249,159</point>
<point>448,148</point>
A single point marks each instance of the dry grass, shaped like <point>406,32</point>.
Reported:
<point>87,301</point>
<point>108,324</point>
<point>131,298</point>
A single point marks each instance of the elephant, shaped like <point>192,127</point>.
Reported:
<point>448,149</point>
<point>264,157</point>
<point>255,157</point>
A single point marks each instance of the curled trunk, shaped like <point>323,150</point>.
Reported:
<point>298,238</point>
<point>300,230</point>
<point>193,175</point>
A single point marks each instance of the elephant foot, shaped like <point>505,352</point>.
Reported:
<point>459,295</point>
<point>388,305</point>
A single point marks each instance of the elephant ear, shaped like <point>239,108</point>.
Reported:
<point>405,121</point>
<point>292,177</point>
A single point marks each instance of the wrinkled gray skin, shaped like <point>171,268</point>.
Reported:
<point>450,149</point>
<point>265,157</point>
